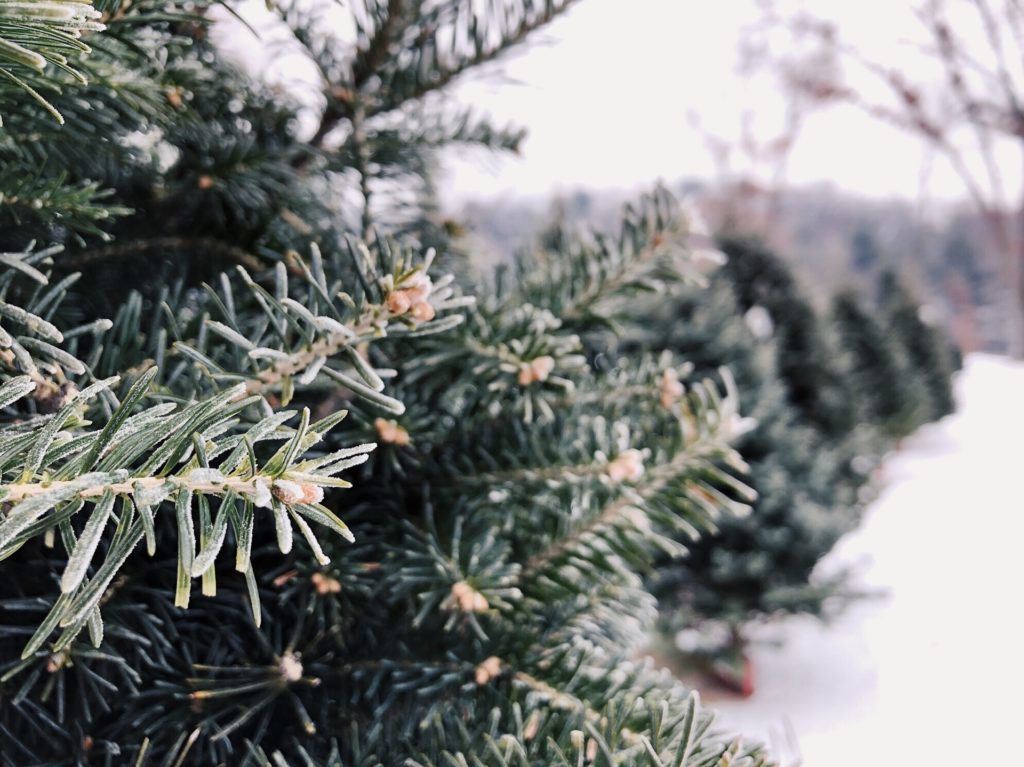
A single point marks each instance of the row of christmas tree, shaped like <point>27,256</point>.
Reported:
<point>826,396</point>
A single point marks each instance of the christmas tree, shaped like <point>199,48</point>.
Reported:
<point>891,394</point>
<point>757,566</point>
<point>275,489</point>
<point>928,350</point>
<point>804,355</point>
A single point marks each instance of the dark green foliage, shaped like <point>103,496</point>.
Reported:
<point>928,350</point>
<point>758,565</point>
<point>470,599</point>
<point>891,394</point>
<point>804,359</point>
<point>173,425</point>
<point>864,251</point>
<point>39,48</point>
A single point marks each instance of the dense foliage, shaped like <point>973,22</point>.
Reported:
<point>815,385</point>
<point>274,489</point>
<point>823,403</point>
<point>759,564</point>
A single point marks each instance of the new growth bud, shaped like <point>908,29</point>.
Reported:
<point>466,599</point>
<point>391,432</point>
<point>487,670</point>
<point>410,297</point>
<point>626,467</point>
<point>325,584</point>
<point>291,493</point>
<point>670,389</point>
<point>423,312</point>
<point>536,370</point>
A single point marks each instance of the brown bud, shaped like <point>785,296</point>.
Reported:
<point>325,584</point>
<point>487,670</point>
<point>542,367</point>
<point>423,312</point>
<point>537,369</point>
<point>287,492</point>
<point>291,493</point>
<point>56,662</point>
<point>205,182</point>
<point>466,599</point>
<point>628,466</point>
<point>417,287</point>
<point>391,432</point>
<point>398,302</point>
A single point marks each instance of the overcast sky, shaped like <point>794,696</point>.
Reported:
<point>607,91</point>
<point>607,96</point>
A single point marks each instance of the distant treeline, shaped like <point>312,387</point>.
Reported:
<point>832,239</point>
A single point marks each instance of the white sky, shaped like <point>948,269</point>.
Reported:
<point>606,103</point>
<point>606,93</point>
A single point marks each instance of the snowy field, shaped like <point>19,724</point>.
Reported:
<point>932,673</point>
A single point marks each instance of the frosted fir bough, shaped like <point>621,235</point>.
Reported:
<point>197,459</point>
<point>37,36</point>
<point>314,331</point>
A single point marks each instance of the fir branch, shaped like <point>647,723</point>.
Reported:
<point>37,348</point>
<point>713,428</point>
<point>35,36</point>
<point>563,700</point>
<point>149,459</point>
<point>82,207</point>
<point>201,483</point>
<point>526,16</point>
<point>585,285</point>
<point>321,337</point>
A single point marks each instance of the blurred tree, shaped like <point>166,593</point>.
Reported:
<point>960,256</point>
<point>891,394</point>
<point>864,251</point>
<point>927,348</point>
<point>758,566</point>
<point>804,361</point>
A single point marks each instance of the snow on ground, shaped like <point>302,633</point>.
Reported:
<point>931,673</point>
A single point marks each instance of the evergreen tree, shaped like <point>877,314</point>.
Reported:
<point>926,347</point>
<point>890,392</point>
<point>864,251</point>
<point>756,566</point>
<point>471,592</point>
<point>804,357</point>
